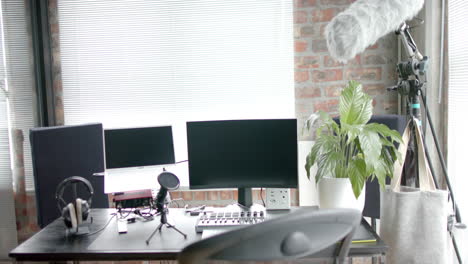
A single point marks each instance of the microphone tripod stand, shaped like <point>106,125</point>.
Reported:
<point>162,209</point>
<point>409,85</point>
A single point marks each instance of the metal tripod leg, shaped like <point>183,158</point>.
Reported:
<point>154,232</point>
<point>175,228</point>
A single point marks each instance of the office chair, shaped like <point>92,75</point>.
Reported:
<point>306,232</point>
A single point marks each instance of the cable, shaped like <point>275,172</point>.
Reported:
<point>182,161</point>
<point>261,197</point>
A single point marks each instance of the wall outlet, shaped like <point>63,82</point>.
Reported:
<point>278,199</point>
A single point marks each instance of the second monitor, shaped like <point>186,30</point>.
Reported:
<point>137,147</point>
<point>243,154</point>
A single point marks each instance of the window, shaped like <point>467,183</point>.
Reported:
<point>142,63</point>
<point>458,106</point>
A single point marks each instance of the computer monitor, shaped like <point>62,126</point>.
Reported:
<point>243,154</point>
<point>138,147</point>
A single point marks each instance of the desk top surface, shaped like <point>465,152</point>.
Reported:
<point>53,243</point>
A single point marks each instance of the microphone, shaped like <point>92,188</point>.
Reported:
<point>168,181</point>
<point>364,22</point>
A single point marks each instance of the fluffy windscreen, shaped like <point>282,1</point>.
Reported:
<point>364,22</point>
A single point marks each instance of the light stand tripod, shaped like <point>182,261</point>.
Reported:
<point>409,85</point>
<point>167,181</point>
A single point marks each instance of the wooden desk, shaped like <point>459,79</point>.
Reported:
<point>52,243</point>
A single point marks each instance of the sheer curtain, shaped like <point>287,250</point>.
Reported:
<point>458,108</point>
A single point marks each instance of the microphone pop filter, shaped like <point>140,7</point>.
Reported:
<point>168,180</point>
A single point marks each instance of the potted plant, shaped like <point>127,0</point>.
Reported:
<point>349,153</point>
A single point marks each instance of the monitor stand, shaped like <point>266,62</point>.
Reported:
<point>245,196</point>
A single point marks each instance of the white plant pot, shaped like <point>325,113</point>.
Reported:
<point>338,193</point>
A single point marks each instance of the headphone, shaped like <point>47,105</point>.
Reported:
<point>76,212</point>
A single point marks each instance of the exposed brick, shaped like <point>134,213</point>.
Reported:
<point>364,74</point>
<point>374,59</point>
<point>306,62</point>
<point>176,195</point>
<point>304,108</point>
<point>54,28</point>
<point>300,46</point>
<point>373,47</point>
<point>328,61</point>
<point>392,74</point>
<point>187,195</point>
<point>305,3</point>
<point>335,2</point>
<point>356,61</point>
<point>307,31</point>
<point>225,195</point>
<point>308,92</point>
<point>213,195</point>
<point>319,45</point>
<point>294,195</point>
<point>297,31</point>
<point>333,90</point>
<point>389,105</point>
<point>374,89</point>
<point>300,17</point>
<point>327,75</point>
<point>301,76</point>
<point>235,195</point>
<point>199,195</point>
<point>328,106</point>
<point>324,15</point>
<point>322,30</point>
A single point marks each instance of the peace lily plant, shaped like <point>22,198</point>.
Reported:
<point>354,149</point>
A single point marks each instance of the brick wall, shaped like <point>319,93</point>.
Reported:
<point>319,78</point>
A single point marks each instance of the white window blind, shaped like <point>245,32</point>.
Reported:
<point>458,106</point>
<point>16,92</point>
<point>20,82</point>
<point>140,63</point>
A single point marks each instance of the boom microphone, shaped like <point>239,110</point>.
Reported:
<point>364,22</point>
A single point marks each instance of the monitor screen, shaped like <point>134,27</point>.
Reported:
<point>136,147</point>
<point>242,153</point>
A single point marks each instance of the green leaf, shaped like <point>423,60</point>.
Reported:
<point>381,173</point>
<point>355,106</point>
<point>384,131</point>
<point>357,175</point>
<point>351,131</point>
<point>371,147</point>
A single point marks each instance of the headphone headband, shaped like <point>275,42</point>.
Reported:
<point>70,180</point>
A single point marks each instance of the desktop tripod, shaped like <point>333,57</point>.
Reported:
<point>162,209</point>
<point>409,85</point>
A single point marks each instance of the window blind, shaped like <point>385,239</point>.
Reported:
<point>15,111</point>
<point>458,101</point>
<point>142,63</point>
<point>20,81</point>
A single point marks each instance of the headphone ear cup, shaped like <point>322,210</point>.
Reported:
<point>85,209</point>
<point>66,216</point>
<point>79,215</point>
<point>72,214</point>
